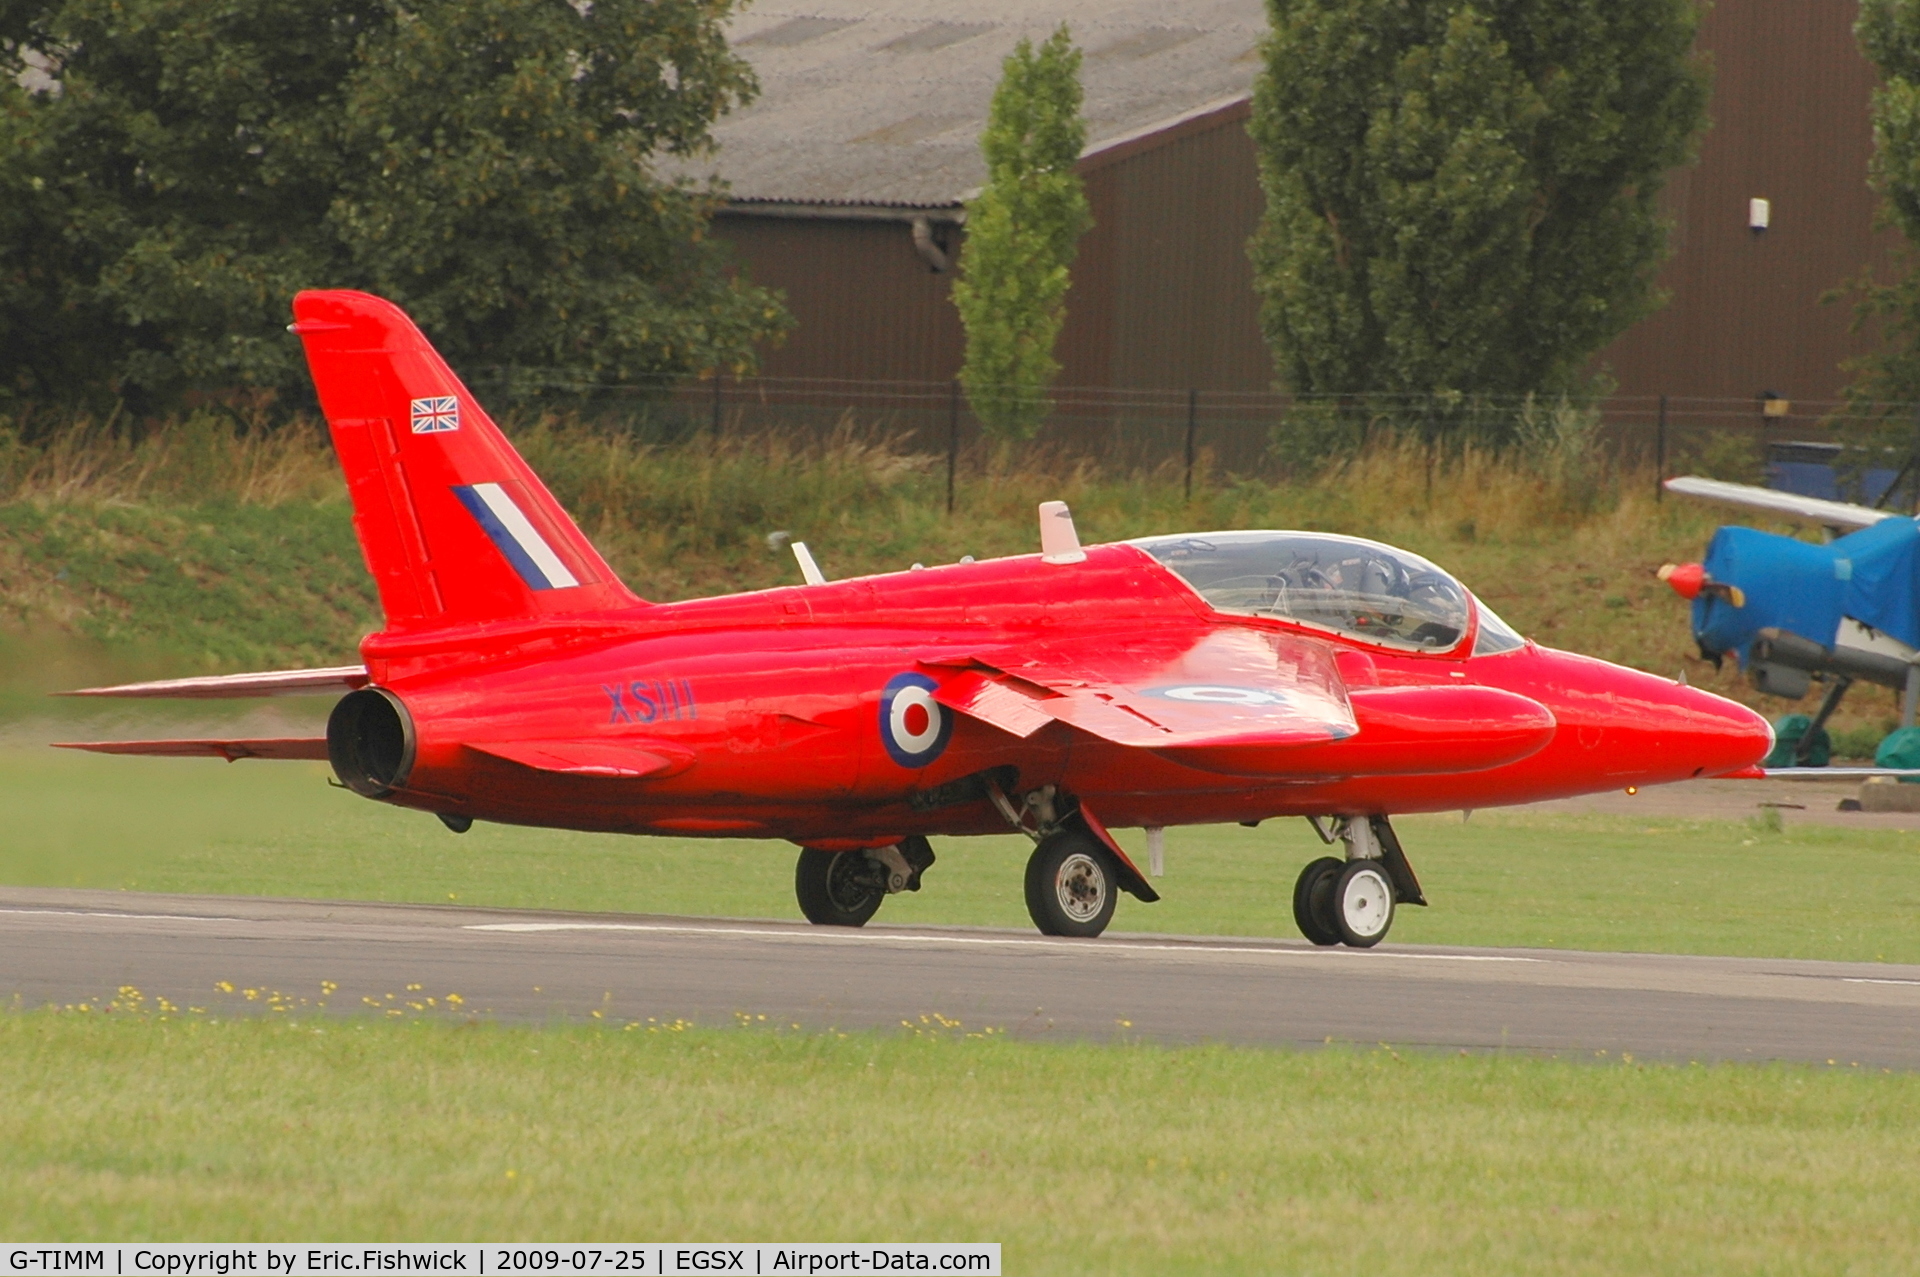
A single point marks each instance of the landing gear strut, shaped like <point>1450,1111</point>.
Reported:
<point>845,888</point>
<point>1351,901</point>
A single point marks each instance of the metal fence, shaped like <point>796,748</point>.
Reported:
<point>1254,434</point>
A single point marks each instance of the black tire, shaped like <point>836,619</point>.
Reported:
<point>1071,885</point>
<point>838,888</point>
<point>1363,903</point>
<point>1313,900</point>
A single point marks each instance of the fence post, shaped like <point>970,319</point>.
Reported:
<point>1193,412</point>
<point>1660,455</point>
<point>717,375</point>
<point>953,437</point>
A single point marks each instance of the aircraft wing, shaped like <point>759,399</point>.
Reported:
<point>339,678</point>
<point>1819,773</point>
<point>313,748</point>
<point>1246,703</point>
<point>1160,691</point>
<point>1832,514</point>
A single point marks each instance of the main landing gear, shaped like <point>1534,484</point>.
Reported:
<point>845,888</point>
<point>1071,885</point>
<point>1074,878</point>
<point>1351,901</point>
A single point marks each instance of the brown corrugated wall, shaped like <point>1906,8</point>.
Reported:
<point>1163,297</point>
<point>1162,290</point>
<point>1790,126</point>
<point>868,307</point>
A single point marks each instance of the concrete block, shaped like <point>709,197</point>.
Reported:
<point>1887,795</point>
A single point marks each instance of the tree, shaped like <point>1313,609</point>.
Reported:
<point>1022,232</point>
<point>1886,380</point>
<point>187,166</point>
<point>1461,193</point>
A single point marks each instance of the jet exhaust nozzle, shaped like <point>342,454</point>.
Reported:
<point>370,742</point>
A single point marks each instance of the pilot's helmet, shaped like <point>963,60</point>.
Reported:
<point>1366,574</point>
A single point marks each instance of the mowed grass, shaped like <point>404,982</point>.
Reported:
<point>279,829</point>
<point>1128,1159</point>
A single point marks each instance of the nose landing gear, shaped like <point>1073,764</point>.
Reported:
<point>1352,901</point>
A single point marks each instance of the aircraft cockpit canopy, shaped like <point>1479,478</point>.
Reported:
<point>1362,588</point>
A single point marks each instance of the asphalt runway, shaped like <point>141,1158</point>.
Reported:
<point>71,947</point>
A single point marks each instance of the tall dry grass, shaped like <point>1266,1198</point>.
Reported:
<point>704,491</point>
<point>693,515</point>
<point>1552,535</point>
<point>205,455</point>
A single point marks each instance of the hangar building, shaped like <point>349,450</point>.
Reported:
<point>849,176</point>
<point>850,171</point>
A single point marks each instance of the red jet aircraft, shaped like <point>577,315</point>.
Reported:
<point>1222,676</point>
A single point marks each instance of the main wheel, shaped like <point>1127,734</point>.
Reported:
<point>1071,889</point>
<point>1313,900</point>
<point>1363,903</point>
<point>838,889</point>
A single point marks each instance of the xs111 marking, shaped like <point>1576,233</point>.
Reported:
<point>647,700</point>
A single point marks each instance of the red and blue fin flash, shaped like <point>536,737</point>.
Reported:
<point>508,527</point>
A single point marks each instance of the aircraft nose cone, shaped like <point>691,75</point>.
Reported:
<point>1620,727</point>
<point>1722,736</point>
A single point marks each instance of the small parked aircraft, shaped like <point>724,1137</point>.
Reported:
<point>1179,679</point>
<point>1793,613</point>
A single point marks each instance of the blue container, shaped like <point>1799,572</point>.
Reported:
<point>1806,469</point>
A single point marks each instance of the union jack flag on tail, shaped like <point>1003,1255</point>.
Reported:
<point>437,415</point>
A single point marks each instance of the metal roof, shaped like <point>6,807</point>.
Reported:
<point>882,101</point>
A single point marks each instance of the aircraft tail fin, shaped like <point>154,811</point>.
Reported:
<point>455,527</point>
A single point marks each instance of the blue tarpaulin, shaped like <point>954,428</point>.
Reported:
<point>1872,575</point>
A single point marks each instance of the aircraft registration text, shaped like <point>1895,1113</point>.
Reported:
<point>647,700</point>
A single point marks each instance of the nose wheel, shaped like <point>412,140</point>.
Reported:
<point>1362,904</point>
<point>1352,901</point>
<point>1313,900</point>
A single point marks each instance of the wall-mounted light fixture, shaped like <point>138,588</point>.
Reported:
<point>1772,405</point>
<point>1759,213</point>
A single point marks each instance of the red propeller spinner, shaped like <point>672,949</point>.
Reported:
<point>1690,580</point>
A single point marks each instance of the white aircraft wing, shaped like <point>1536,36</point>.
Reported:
<point>337,678</point>
<point>1830,514</point>
<point>1835,773</point>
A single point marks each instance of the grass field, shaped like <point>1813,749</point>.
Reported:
<point>193,548</point>
<point>1504,879</point>
<point>1130,1159</point>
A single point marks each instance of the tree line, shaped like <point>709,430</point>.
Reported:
<point>1462,196</point>
<point>172,171</point>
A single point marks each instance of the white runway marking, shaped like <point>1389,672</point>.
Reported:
<point>886,937</point>
<point>107,913</point>
<point>1867,979</point>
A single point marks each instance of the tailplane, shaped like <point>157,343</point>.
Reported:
<point>455,527</point>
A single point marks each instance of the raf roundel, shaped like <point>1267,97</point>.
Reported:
<point>913,726</point>
<point>1219,694</point>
